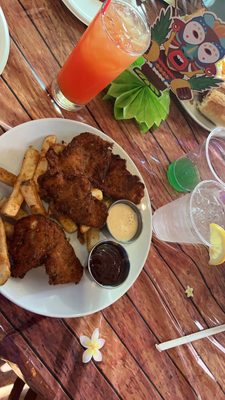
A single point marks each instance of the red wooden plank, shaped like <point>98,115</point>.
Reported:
<point>141,343</point>
<point>118,365</point>
<point>167,322</point>
<point>60,352</point>
<point>15,349</point>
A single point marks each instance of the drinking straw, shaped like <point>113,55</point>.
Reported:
<point>190,338</point>
<point>106,5</point>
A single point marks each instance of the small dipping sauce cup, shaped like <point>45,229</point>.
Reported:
<point>108,264</point>
<point>124,221</point>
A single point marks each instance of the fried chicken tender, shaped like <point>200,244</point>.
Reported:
<point>37,241</point>
<point>72,196</point>
<point>85,163</point>
<point>86,155</point>
<point>119,183</point>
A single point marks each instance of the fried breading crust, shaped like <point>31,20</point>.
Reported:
<point>85,163</point>
<point>72,197</point>
<point>119,183</point>
<point>37,241</point>
<point>87,155</point>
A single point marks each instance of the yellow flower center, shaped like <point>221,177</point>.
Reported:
<point>93,345</point>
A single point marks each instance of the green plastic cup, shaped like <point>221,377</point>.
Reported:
<point>206,162</point>
<point>183,175</point>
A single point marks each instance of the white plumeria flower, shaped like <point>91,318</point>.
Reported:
<point>92,345</point>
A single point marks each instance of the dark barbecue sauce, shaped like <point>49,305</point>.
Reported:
<point>109,264</point>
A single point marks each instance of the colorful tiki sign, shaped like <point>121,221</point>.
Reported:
<point>183,53</point>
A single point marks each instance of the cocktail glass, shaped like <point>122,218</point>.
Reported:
<point>114,39</point>
<point>188,218</point>
<point>206,162</point>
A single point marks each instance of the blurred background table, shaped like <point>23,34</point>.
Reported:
<point>156,308</point>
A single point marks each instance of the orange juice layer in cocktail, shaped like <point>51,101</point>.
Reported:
<point>109,45</point>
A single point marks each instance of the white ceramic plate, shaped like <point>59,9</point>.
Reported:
<point>85,10</point>
<point>198,117</point>
<point>33,291</point>
<point>4,41</point>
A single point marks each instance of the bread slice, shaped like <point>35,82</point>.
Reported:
<point>213,105</point>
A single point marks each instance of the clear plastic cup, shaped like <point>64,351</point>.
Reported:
<point>206,162</point>
<point>188,219</point>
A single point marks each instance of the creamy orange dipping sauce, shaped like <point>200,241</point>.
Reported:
<point>122,222</point>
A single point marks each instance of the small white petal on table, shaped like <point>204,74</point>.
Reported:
<point>85,341</point>
<point>100,343</point>
<point>95,334</point>
<point>87,355</point>
<point>97,355</point>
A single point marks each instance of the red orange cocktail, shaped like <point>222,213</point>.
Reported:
<point>115,38</point>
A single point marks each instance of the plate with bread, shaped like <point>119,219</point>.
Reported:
<point>208,108</point>
<point>58,181</point>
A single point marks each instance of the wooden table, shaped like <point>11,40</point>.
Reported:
<point>156,308</point>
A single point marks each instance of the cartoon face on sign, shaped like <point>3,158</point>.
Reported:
<point>196,45</point>
<point>183,53</point>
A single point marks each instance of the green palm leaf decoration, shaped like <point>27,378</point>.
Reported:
<point>161,28</point>
<point>204,82</point>
<point>133,98</point>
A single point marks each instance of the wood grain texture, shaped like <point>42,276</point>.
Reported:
<point>47,351</point>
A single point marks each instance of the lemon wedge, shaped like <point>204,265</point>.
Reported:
<point>217,242</point>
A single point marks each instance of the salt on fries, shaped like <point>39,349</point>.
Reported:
<point>12,206</point>
<point>4,258</point>
<point>31,197</point>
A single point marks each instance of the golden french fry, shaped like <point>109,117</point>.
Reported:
<point>12,206</point>
<point>67,223</point>
<point>58,147</point>
<point>41,169</point>
<point>21,213</point>
<point>7,177</point>
<point>3,200</point>
<point>42,166</point>
<point>92,237</point>
<point>9,229</point>
<point>4,259</point>
<point>48,142</point>
<point>97,193</point>
<point>84,228</point>
<point>31,197</point>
